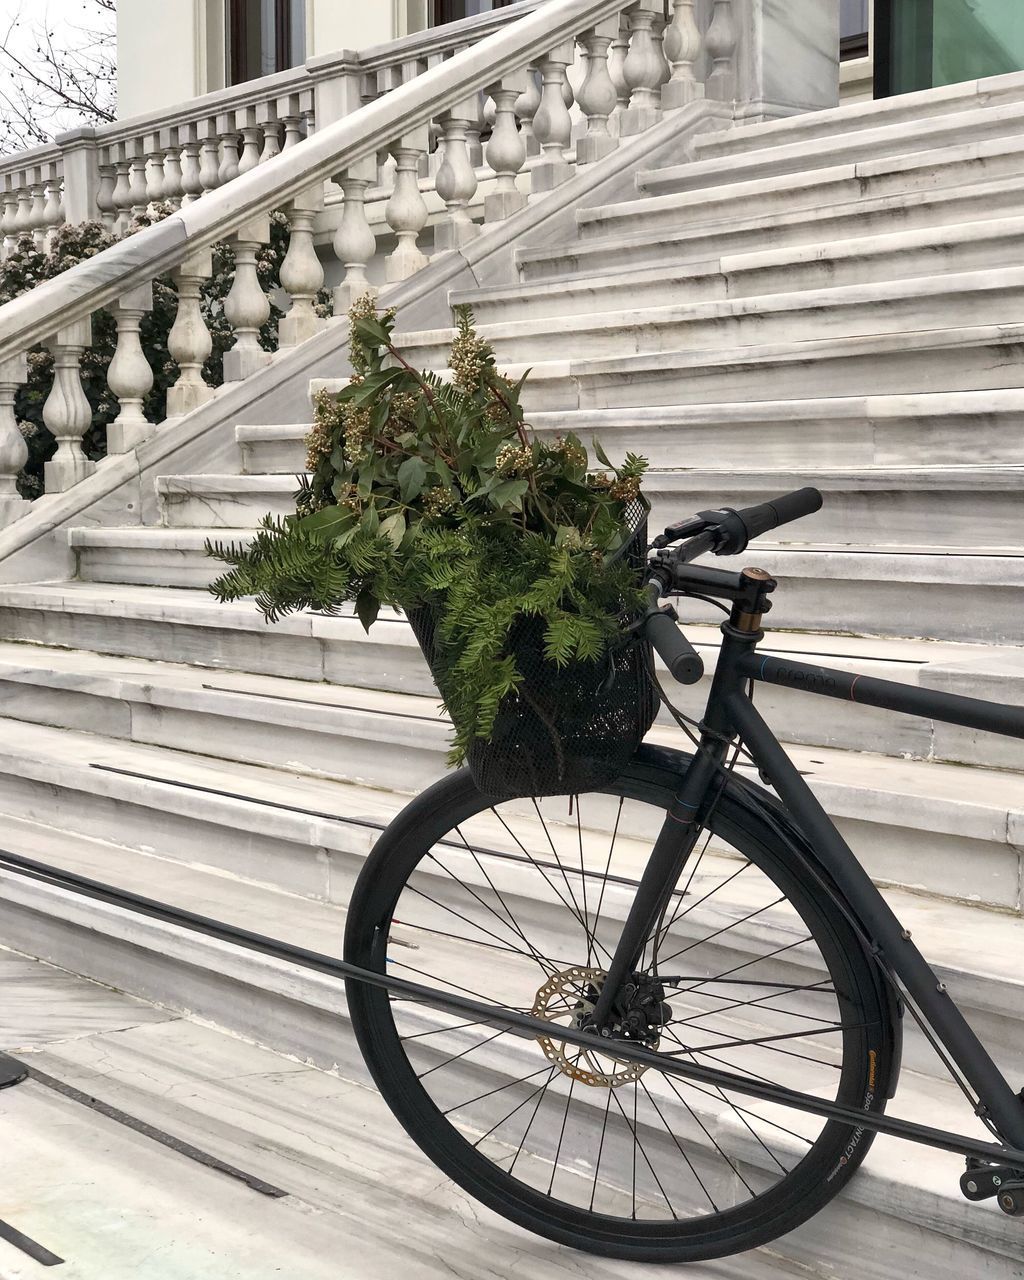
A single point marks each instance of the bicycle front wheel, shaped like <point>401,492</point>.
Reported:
<point>751,970</point>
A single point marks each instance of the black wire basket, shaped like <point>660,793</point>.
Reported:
<point>564,730</point>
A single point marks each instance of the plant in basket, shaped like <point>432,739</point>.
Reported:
<point>518,567</point>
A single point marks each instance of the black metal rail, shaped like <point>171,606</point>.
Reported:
<point>524,1024</point>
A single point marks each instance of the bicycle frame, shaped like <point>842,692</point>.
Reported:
<point>730,714</point>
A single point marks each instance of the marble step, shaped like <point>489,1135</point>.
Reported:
<point>698,241</point>
<point>878,506</point>
<point>908,108</point>
<point>287,721</point>
<point>908,1193</point>
<point>974,358</point>
<point>976,180</point>
<point>875,311</point>
<point>961,593</point>
<point>278,450</point>
<point>944,827</point>
<point>909,137</point>
<point>125,1208</point>
<point>858,260</point>
<point>829,432</point>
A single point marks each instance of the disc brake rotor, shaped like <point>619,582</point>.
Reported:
<point>568,997</point>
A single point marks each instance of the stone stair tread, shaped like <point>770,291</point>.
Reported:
<point>973,802</point>
<point>943,100</point>
<point>862,247</point>
<point>995,280</point>
<point>898,138</point>
<point>701,240</point>
<point>658,189</point>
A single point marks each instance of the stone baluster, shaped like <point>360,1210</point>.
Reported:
<point>506,150</point>
<point>122,195</point>
<point>37,190</point>
<point>13,449</point>
<point>9,216</point>
<point>154,171</point>
<point>307,109</point>
<point>658,32</point>
<point>406,211</point>
<point>66,411</point>
<point>174,189</point>
<point>129,376</point>
<point>191,170</point>
<point>189,342</point>
<point>720,41</point>
<point>526,109</point>
<point>597,96</point>
<point>642,70</point>
<point>302,275</point>
<point>138,186</point>
<point>266,118</point>
<point>53,209</point>
<point>79,168</point>
<point>456,182</point>
<point>289,112</point>
<point>683,45</point>
<point>228,169</point>
<point>105,197</point>
<point>354,241</point>
<point>209,154</point>
<point>552,124</point>
<point>252,138</point>
<point>247,307</point>
<point>616,61</point>
<point>23,218</point>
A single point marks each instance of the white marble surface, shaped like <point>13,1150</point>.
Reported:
<point>363,1204</point>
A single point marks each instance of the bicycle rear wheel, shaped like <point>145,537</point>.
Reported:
<point>520,904</point>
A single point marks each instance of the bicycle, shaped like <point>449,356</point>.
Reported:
<point>667,1017</point>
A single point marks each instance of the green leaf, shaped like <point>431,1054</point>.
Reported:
<point>393,528</point>
<point>509,493</point>
<point>371,332</point>
<point>601,455</point>
<point>370,521</point>
<point>367,609</point>
<point>411,475</point>
<point>328,523</point>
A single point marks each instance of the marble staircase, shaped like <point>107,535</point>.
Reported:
<point>834,299</point>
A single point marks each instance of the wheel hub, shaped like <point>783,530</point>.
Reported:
<point>569,996</point>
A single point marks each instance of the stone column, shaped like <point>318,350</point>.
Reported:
<point>302,274</point>
<point>81,175</point>
<point>13,449</point>
<point>189,341</point>
<point>67,412</point>
<point>129,376</point>
<point>787,57</point>
<point>247,307</point>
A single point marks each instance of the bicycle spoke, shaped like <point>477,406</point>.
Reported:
<point>465,1053</point>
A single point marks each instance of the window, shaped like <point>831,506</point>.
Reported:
<point>853,29</point>
<point>264,36</point>
<point>454,10</point>
<point>925,43</point>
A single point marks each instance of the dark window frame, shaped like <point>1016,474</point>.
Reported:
<point>237,42</point>
<point>444,11</point>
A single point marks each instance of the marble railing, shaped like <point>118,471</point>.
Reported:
<point>491,100</point>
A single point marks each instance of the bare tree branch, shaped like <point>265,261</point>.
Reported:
<point>50,83</point>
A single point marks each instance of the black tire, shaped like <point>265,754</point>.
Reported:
<point>860,1074</point>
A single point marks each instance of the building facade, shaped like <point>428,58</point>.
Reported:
<point>207,45</point>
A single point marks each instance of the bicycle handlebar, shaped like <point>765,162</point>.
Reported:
<point>677,653</point>
<point>770,515</point>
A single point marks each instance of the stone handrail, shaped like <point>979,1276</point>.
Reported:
<point>175,155</point>
<point>419,106</point>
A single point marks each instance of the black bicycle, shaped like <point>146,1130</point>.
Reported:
<point>662,1021</point>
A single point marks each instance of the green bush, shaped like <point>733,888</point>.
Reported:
<point>26,266</point>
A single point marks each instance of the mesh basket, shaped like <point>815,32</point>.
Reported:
<point>564,730</point>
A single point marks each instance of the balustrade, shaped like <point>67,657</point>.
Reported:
<point>481,153</point>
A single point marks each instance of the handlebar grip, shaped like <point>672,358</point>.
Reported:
<point>770,515</point>
<point>681,658</point>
